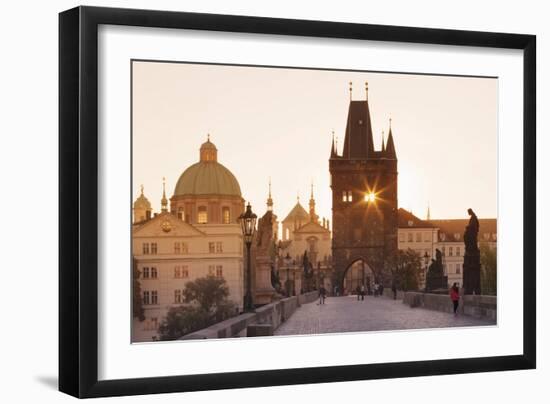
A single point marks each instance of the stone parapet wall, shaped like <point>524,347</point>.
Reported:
<point>389,293</point>
<point>479,306</point>
<point>274,314</point>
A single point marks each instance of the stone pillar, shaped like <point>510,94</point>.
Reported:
<point>472,273</point>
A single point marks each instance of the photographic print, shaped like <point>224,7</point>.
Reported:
<point>273,201</point>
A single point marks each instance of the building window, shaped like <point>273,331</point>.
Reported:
<point>154,297</point>
<point>443,250</point>
<point>211,270</point>
<point>458,269</point>
<point>177,296</point>
<point>145,248</point>
<point>347,196</point>
<point>458,251</point>
<point>418,237</point>
<point>202,216</point>
<point>450,251</point>
<point>219,247</point>
<point>211,247</point>
<point>226,216</point>
<point>401,237</point>
<point>146,297</point>
<point>181,214</point>
<point>219,271</point>
<point>154,273</point>
<point>153,248</point>
<point>427,236</point>
<point>177,272</point>
<point>145,272</point>
<point>177,248</point>
<point>409,237</point>
<point>152,324</point>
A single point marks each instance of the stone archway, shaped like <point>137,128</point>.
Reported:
<point>357,273</point>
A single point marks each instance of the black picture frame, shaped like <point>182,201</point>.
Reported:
<point>78,196</point>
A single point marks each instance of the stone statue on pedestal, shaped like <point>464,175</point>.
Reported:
<point>435,279</point>
<point>472,261</point>
<point>263,290</point>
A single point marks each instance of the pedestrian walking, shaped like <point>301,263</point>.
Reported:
<point>322,295</point>
<point>455,297</point>
<point>381,290</point>
<point>376,289</point>
<point>358,292</point>
<point>362,291</point>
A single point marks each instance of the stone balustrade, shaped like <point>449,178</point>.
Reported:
<point>479,306</point>
<point>263,321</point>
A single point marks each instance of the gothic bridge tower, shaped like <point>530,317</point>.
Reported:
<point>364,198</point>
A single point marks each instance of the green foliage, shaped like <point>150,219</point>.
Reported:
<point>488,258</point>
<point>206,303</point>
<point>406,268</point>
<point>137,307</point>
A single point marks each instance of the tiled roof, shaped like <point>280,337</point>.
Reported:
<point>453,229</point>
<point>406,219</point>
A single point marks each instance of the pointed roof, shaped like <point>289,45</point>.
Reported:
<point>390,147</point>
<point>333,151</point>
<point>297,213</point>
<point>383,149</point>
<point>358,142</point>
<point>312,227</point>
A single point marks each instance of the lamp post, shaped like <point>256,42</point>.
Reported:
<point>248,226</point>
<point>426,261</point>
<point>288,261</point>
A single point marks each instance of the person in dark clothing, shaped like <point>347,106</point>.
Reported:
<point>394,289</point>
<point>322,295</point>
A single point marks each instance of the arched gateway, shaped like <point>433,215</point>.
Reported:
<point>364,198</point>
<point>356,274</point>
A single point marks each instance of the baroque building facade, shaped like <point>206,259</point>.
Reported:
<point>197,236</point>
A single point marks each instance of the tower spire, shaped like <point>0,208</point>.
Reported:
<point>333,152</point>
<point>350,89</point>
<point>312,215</point>
<point>164,201</point>
<point>428,213</point>
<point>269,199</point>
<point>383,145</point>
<point>390,146</point>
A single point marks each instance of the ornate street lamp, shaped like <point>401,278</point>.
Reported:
<point>288,261</point>
<point>248,226</point>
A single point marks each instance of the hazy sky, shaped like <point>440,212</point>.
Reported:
<point>272,122</point>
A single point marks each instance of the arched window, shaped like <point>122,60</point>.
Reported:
<point>202,216</point>
<point>226,215</point>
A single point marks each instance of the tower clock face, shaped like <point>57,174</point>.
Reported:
<point>166,226</point>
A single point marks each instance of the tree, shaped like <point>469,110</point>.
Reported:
<point>406,268</point>
<point>137,307</point>
<point>488,257</point>
<point>206,303</point>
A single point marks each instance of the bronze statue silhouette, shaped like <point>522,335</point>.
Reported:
<point>472,260</point>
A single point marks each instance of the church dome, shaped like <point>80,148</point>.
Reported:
<point>142,202</point>
<point>207,177</point>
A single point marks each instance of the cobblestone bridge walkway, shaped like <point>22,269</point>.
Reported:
<point>345,313</point>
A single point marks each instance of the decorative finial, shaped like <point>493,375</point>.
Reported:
<point>270,187</point>
<point>208,137</point>
<point>298,196</point>
<point>390,121</point>
<point>141,189</point>
<point>367,89</point>
<point>312,188</point>
<point>350,89</point>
